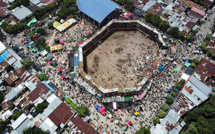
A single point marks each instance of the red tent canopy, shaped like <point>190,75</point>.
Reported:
<point>63,76</point>
<point>129,122</point>
<point>50,61</point>
<point>111,119</point>
<point>59,70</point>
<point>126,125</point>
<point>103,113</point>
<point>61,42</point>
<point>80,43</point>
<point>103,108</point>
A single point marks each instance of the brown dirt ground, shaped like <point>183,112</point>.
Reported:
<point>112,63</point>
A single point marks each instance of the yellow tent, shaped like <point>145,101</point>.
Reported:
<point>136,113</point>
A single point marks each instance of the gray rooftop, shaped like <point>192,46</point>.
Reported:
<point>196,91</point>
<point>22,13</point>
<point>26,124</point>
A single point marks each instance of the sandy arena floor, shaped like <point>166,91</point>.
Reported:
<point>112,63</point>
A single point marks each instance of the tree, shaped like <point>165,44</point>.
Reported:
<point>26,63</point>
<point>156,20</point>
<point>43,77</point>
<point>148,17</point>
<point>160,114</point>
<point>196,61</point>
<point>156,121</point>
<point>3,124</point>
<point>169,100</point>
<point>50,25</point>
<point>194,114</point>
<point>16,115</point>
<point>164,25</point>
<point>34,130</point>
<point>212,100</point>
<point>190,37</point>
<point>82,111</point>
<point>174,93</point>
<point>181,35</point>
<point>11,107</point>
<point>128,4</point>
<point>180,84</point>
<point>204,46</point>
<point>40,107</point>
<point>193,65</point>
<point>1,97</point>
<point>209,110</point>
<point>41,30</point>
<point>174,31</point>
<point>143,130</point>
<point>165,107</point>
<point>40,42</point>
<point>211,53</point>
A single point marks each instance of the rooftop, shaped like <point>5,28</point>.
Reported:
<point>62,114</point>
<point>21,13</point>
<point>97,9</point>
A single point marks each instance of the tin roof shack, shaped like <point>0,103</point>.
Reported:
<point>205,72</point>
<point>156,9</point>
<point>192,94</point>
<point>40,91</point>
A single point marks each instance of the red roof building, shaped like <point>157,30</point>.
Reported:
<point>62,114</point>
<point>204,71</point>
<point>156,9</point>
<point>212,45</point>
<point>82,126</point>
<point>190,24</point>
<point>197,12</point>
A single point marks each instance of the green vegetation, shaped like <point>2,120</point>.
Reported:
<point>193,65</point>
<point>164,25</point>
<point>211,53</point>
<point>3,124</point>
<point>50,25</point>
<point>174,31</point>
<point>196,61</point>
<point>70,103</point>
<point>180,84</point>
<point>201,119</point>
<point>128,4</point>
<point>160,114</point>
<point>174,93</point>
<point>41,107</point>
<point>18,3</point>
<point>12,29</point>
<point>156,121</point>
<point>157,21</point>
<point>1,97</point>
<point>26,63</point>
<point>169,100</point>
<point>208,37</point>
<point>43,77</point>
<point>200,2</point>
<point>11,107</point>
<point>65,8</point>
<point>41,30</point>
<point>43,10</point>
<point>40,43</point>
<point>190,37</point>
<point>143,130</point>
<point>16,115</point>
<point>165,107</point>
<point>204,46</point>
<point>34,130</point>
<point>166,14</point>
<point>82,111</point>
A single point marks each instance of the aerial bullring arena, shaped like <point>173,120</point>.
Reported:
<point>120,58</point>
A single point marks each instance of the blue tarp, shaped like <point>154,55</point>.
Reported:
<point>6,55</point>
<point>97,9</point>
<point>47,85</point>
<point>76,61</point>
<point>27,45</point>
<point>161,67</point>
<point>1,59</point>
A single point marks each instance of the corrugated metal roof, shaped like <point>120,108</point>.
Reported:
<point>48,125</point>
<point>97,9</point>
<point>26,124</point>
<point>19,121</point>
<point>22,13</point>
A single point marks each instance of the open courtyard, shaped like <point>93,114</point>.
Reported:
<point>114,63</point>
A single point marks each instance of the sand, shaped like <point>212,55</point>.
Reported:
<point>112,63</point>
